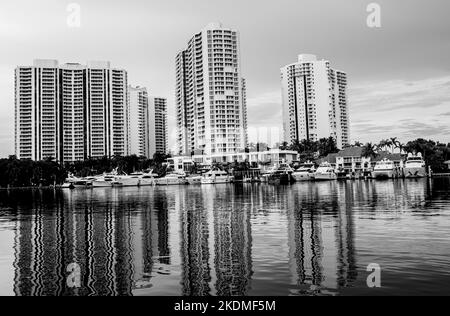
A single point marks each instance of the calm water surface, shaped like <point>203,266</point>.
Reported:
<point>305,239</point>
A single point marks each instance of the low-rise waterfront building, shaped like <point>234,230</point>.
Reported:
<point>263,159</point>
<point>351,160</point>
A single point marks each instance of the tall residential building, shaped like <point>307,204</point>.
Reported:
<point>210,93</point>
<point>138,126</point>
<point>148,127</point>
<point>314,101</point>
<point>70,112</point>
<point>159,137</point>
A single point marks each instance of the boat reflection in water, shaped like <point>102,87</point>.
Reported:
<point>249,239</point>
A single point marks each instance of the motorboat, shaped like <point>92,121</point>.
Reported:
<point>305,172</point>
<point>131,180</point>
<point>280,175</point>
<point>73,182</point>
<point>148,179</point>
<point>106,180</point>
<point>216,176</point>
<point>325,172</point>
<point>415,166</point>
<point>172,179</point>
<point>194,179</point>
<point>385,169</point>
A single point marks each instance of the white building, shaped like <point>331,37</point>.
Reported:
<point>148,127</point>
<point>70,112</point>
<point>138,127</point>
<point>260,159</point>
<point>314,101</point>
<point>159,134</point>
<point>210,93</point>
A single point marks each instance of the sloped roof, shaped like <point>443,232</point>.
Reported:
<point>385,154</point>
<point>353,151</point>
<point>331,158</point>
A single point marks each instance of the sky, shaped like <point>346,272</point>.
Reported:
<point>399,73</point>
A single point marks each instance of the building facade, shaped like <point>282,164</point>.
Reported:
<point>210,93</point>
<point>314,101</point>
<point>70,112</point>
<point>139,130</point>
<point>159,137</point>
<point>148,127</point>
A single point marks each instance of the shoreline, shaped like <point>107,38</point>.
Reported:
<point>58,187</point>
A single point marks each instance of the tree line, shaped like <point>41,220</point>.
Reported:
<point>28,173</point>
<point>434,153</point>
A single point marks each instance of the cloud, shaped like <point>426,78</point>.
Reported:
<point>265,109</point>
<point>401,108</point>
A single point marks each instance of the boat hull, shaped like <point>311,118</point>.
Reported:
<point>302,176</point>
<point>414,173</point>
<point>101,184</point>
<point>384,174</point>
<point>164,181</point>
<point>127,182</point>
<point>147,182</point>
<point>194,180</point>
<point>325,176</point>
<point>217,180</point>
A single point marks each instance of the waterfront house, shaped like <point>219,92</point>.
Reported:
<point>398,159</point>
<point>351,160</point>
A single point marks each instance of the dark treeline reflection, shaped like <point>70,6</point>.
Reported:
<point>195,240</point>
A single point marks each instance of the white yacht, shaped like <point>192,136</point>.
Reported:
<point>172,179</point>
<point>325,172</point>
<point>305,172</point>
<point>73,182</point>
<point>104,181</point>
<point>132,180</point>
<point>194,179</point>
<point>216,177</point>
<point>148,179</point>
<point>415,166</point>
<point>385,169</point>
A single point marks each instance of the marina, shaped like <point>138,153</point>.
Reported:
<point>413,167</point>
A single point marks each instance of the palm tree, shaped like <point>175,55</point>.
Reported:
<point>370,150</point>
<point>384,144</point>
<point>284,146</point>
<point>358,144</point>
<point>394,143</point>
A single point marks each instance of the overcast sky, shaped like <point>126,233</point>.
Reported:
<point>399,74</point>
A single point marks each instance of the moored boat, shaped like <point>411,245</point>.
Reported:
<point>385,169</point>
<point>325,172</point>
<point>194,179</point>
<point>415,166</point>
<point>216,176</point>
<point>104,181</point>
<point>305,172</point>
<point>172,179</point>
<point>73,182</point>
<point>281,175</point>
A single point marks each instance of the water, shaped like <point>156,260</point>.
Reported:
<point>305,239</point>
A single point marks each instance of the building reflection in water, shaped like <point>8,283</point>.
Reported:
<point>199,240</point>
<point>215,242</point>
<point>116,241</point>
